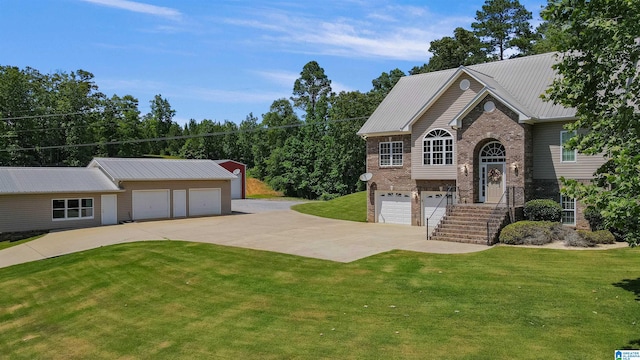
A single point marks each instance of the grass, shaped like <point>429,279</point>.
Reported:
<point>167,300</point>
<point>351,207</point>
<point>256,189</point>
<point>8,244</point>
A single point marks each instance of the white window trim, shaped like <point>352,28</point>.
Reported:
<point>80,207</point>
<point>574,210</point>
<point>562,149</point>
<point>390,154</point>
<point>444,151</point>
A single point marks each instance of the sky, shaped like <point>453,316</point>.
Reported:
<point>222,60</point>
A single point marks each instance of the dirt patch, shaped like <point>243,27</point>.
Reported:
<point>257,187</point>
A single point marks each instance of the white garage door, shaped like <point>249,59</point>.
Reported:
<point>150,204</point>
<point>204,202</point>
<point>236,187</point>
<point>394,207</point>
<point>434,207</point>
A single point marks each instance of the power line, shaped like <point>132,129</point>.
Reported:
<point>179,137</point>
<point>26,117</point>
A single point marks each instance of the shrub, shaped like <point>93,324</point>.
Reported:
<point>529,233</point>
<point>595,219</point>
<point>327,196</point>
<point>542,210</point>
<point>593,238</point>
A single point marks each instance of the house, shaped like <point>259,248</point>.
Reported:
<point>483,130</point>
<point>239,184</point>
<point>109,191</point>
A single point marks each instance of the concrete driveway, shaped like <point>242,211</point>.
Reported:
<point>284,231</point>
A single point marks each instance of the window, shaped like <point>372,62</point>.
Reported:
<point>71,209</point>
<point>391,153</point>
<point>568,210</point>
<point>438,148</point>
<point>567,155</point>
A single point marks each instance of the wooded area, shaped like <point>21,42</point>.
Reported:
<point>305,146</point>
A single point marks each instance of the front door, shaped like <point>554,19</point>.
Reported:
<point>109,209</point>
<point>494,182</point>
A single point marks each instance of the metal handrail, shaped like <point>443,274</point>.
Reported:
<point>495,212</point>
<point>449,197</point>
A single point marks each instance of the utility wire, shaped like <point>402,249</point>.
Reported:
<point>179,137</point>
<point>26,117</point>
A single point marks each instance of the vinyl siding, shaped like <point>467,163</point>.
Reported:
<point>452,101</point>
<point>547,151</point>
<point>25,212</point>
<point>125,200</point>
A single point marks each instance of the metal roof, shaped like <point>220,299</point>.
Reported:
<point>135,169</point>
<point>520,82</point>
<point>42,180</point>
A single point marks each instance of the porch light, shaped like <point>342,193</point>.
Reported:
<point>516,167</point>
<point>464,169</point>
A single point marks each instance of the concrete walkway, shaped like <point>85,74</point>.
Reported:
<point>283,231</point>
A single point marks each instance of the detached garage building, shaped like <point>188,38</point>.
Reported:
<point>110,191</point>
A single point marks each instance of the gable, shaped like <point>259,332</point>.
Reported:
<point>518,83</point>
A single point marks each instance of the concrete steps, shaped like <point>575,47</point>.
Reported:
<point>468,224</point>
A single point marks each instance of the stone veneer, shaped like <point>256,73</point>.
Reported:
<point>478,129</point>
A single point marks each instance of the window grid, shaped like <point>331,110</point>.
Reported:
<point>568,210</point>
<point>438,148</point>
<point>567,155</point>
<point>391,153</point>
<point>71,209</point>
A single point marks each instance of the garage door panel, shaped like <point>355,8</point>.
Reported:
<point>150,204</point>
<point>394,208</point>
<point>205,202</point>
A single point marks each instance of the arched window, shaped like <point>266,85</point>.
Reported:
<point>438,148</point>
<point>493,152</point>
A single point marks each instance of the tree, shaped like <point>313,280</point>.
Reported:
<point>383,84</point>
<point>504,24</point>
<point>599,76</point>
<point>157,123</point>
<point>465,48</point>
<point>311,87</point>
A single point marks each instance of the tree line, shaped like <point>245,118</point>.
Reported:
<point>305,146</point>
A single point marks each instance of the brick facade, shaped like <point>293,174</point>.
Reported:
<point>478,128</point>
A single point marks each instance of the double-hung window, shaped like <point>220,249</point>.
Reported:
<point>391,153</point>
<point>567,155</point>
<point>72,209</point>
<point>438,148</point>
<point>568,210</point>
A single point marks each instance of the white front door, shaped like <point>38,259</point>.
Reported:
<point>109,209</point>
<point>179,203</point>
<point>492,182</point>
<point>236,187</point>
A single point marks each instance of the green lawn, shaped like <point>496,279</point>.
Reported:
<point>167,300</point>
<point>8,244</point>
<point>350,207</point>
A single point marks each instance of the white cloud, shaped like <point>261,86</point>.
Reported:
<point>393,32</point>
<point>139,8</point>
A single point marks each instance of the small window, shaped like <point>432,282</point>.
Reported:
<point>438,148</point>
<point>568,210</point>
<point>72,209</point>
<point>567,155</point>
<point>391,153</point>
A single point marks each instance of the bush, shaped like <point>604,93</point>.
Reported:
<point>593,238</point>
<point>595,219</point>
<point>542,210</point>
<point>327,196</point>
<point>530,233</point>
